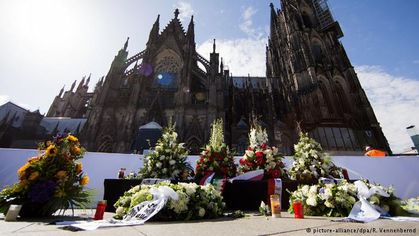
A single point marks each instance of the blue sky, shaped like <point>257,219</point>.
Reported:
<point>47,44</point>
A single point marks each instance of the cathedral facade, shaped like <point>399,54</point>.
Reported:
<point>310,85</point>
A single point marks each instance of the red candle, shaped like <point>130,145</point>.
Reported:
<point>298,209</point>
<point>100,210</point>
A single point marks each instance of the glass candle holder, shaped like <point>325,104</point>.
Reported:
<point>298,209</point>
<point>13,212</point>
<point>275,206</point>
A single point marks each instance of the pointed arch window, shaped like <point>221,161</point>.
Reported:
<point>341,96</point>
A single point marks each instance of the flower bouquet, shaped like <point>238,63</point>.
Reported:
<point>168,158</point>
<point>51,181</point>
<point>259,156</point>
<point>216,158</point>
<point>326,199</point>
<point>311,163</point>
<point>337,200</point>
<point>194,202</point>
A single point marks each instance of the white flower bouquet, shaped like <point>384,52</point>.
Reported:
<point>194,202</point>
<point>311,163</point>
<point>168,158</point>
<point>337,200</point>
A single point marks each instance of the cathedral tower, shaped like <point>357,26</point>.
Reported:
<point>313,81</point>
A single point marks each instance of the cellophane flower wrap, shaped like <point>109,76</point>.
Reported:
<point>337,199</point>
<point>52,180</point>
<point>216,157</point>
<point>168,158</point>
<point>259,156</point>
<point>310,162</point>
<point>194,202</point>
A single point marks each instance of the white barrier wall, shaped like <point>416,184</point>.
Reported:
<point>401,172</point>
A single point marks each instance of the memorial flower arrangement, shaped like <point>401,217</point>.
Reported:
<point>311,163</point>
<point>216,158</point>
<point>337,199</point>
<point>259,156</point>
<point>51,181</point>
<point>194,202</point>
<point>168,158</point>
<point>326,199</point>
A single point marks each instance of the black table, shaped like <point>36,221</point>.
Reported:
<point>115,188</point>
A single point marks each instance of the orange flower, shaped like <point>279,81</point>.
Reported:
<point>33,176</point>
<point>23,168</point>
<point>85,180</point>
<point>72,138</point>
<point>61,174</point>
<point>79,168</point>
<point>51,151</point>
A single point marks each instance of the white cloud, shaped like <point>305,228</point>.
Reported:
<point>242,56</point>
<point>247,23</point>
<point>395,101</point>
<point>185,10</point>
<point>4,99</point>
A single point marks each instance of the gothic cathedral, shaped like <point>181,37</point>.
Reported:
<point>310,85</point>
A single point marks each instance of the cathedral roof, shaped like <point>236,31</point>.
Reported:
<point>13,111</point>
<point>63,124</point>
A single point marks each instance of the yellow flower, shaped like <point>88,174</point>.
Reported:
<point>72,138</point>
<point>34,175</point>
<point>75,150</point>
<point>51,151</point>
<point>34,159</point>
<point>23,168</point>
<point>20,186</point>
<point>79,168</point>
<point>61,174</point>
<point>85,180</point>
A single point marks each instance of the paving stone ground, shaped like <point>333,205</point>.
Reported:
<point>252,224</point>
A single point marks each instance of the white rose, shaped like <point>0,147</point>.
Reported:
<point>313,189</point>
<point>305,190</point>
<point>162,158</point>
<point>201,212</point>
<point>158,164</point>
<point>311,201</point>
<point>172,162</point>
<point>329,204</point>
<point>164,170</point>
<point>249,153</point>
<point>119,211</point>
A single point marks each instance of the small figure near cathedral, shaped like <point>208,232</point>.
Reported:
<point>369,151</point>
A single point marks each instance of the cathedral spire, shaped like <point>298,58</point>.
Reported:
<point>73,85</point>
<point>126,44</point>
<point>61,91</point>
<point>176,13</point>
<point>191,31</point>
<point>88,79</point>
<point>213,47</point>
<point>154,33</point>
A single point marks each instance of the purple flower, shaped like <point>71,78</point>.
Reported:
<point>42,192</point>
<point>321,190</point>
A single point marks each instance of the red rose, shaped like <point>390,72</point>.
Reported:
<point>263,146</point>
<point>242,161</point>
<point>259,155</point>
<point>250,148</point>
